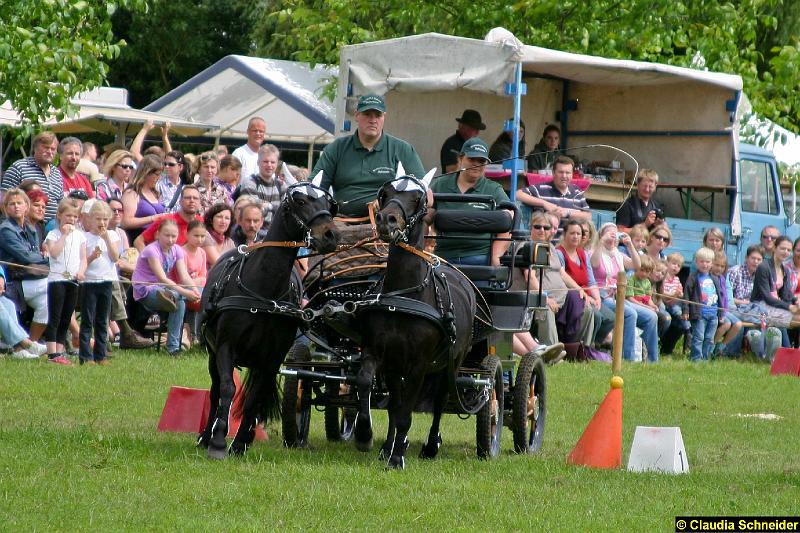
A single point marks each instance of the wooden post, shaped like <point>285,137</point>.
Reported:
<point>619,325</point>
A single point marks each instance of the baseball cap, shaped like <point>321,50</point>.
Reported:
<point>371,101</point>
<point>475,148</point>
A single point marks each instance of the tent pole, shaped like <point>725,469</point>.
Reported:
<point>515,133</point>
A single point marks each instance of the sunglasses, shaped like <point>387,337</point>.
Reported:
<point>662,238</point>
<point>769,237</point>
<point>170,164</point>
<point>540,227</point>
<point>126,167</point>
<point>116,210</point>
<point>207,157</point>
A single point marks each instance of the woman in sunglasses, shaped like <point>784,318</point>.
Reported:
<point>141,203</point>
<point>659,240</point>
<point>118,169</point>
<point>176,174</point>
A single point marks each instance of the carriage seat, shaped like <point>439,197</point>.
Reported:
<point>511,310</point>
<point>473,224</point>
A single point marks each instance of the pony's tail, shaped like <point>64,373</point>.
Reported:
<point>267,402</point>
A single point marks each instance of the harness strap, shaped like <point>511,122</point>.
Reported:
<point>257,305</point>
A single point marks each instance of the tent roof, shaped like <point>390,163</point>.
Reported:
<point>287,94</point>
<point>433,61</point>
<point>8,115</point>
<point>109,119</point>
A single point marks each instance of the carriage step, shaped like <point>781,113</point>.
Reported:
<point>467,381</point>
<point>314,364</point>
<point>318,376</point>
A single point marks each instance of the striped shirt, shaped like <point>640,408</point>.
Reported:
<point>27,169</point>
<point>572,199</point>
<point>270,192</point>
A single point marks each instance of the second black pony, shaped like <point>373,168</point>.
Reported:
<point>421,327</point>
<point>251,313</point>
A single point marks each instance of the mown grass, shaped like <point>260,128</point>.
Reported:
<point>79,450</point>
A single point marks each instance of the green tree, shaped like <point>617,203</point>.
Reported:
<point>51,50</point>
<point>174,41</point>
<point>756,39</point>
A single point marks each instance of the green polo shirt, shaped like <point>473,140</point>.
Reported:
<point>354,171</point>
<point>480,244</point>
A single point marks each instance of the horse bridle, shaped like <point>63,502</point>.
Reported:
<point>290,206</point>
<point>416,216</point>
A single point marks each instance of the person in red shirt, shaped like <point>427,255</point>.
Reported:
<point>69,151</point>
<point>190,207</point>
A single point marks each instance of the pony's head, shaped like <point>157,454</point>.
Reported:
<point>402,204</point>
<point>312,208</point>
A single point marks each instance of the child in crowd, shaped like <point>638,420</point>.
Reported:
<point>703,291</point>
<point>197,267</point>
<point>639,237</point>
<point>672,288</point>
<point>155,290</point>
<point>102,254</point>
<point>640,290</point>
<point>65,246</point>
<point>729,325</point>
<point>657,281</point>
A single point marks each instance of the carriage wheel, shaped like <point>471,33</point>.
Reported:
<point>339,421</point>
<point>296,404</point>
<point>489,420</point>
<point>529,407</point>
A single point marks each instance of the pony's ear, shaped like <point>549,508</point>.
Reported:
<point>426,180</point>
<point>317,181</point>
<point>287,175</point>
<point>400,170</point>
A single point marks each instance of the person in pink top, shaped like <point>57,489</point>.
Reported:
<point>152,286</point>
<point>197,267</point>
<point>607,261</point>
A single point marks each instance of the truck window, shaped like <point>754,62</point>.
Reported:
<point>758,190</point>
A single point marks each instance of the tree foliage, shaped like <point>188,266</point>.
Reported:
<point>174,41</point>
<point>757,39</point>
<point>51,50</point>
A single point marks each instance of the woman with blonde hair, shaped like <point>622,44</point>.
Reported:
<point>141,205</point>
<point>714,238</point>
<point>657,242</point>
<point>589,235</point>
<point>118,168</point>
<point>19,244</point>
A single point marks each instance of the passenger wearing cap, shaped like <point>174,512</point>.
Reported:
<point>473,157</point>
<point>470,125</point>
<point>357,165</point>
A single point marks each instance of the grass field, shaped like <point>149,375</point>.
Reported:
<point>79,451</point>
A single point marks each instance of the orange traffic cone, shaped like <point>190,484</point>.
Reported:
<point>186,410</point>
<point>600,446</point>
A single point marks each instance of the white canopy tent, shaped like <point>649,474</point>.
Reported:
<point>287,94</point>
<point>430,79</point>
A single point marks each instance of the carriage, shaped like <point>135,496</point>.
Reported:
<point>496,386</point>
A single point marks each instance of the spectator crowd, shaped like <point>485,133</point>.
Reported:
<point>124,240</point>
<point>96,250</point>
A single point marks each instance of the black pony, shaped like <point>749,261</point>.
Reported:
<point>251,313</point>
<point>420,327</point>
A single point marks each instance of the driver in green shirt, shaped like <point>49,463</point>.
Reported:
<point>470,179</point>
<point>357,165</point>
